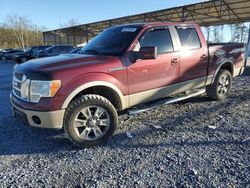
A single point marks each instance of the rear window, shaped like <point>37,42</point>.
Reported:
<point>189,38</point>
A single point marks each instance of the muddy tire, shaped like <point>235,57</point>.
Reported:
<point>90,120</point>
<point>221,86</point>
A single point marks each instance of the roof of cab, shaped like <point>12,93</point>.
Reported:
<point>152,24</point>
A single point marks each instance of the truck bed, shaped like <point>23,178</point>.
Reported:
<point>218,52</point>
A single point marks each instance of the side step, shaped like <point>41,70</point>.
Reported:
<point>164,102</point>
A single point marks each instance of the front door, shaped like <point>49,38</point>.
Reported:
<point>152,79</point>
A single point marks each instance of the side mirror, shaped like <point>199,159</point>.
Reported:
<point>144,54</point>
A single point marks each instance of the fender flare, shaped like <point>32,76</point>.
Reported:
<point>92,84</point>
<point>219,67</point>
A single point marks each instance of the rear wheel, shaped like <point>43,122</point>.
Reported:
<point>220,89</point>
<point>90,120</point>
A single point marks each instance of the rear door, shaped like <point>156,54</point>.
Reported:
<point>148,79</point>
<point>193,57</point>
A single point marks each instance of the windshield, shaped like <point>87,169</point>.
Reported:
<point>113,41</point>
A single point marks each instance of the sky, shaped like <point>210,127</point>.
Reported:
<point>53,13</point>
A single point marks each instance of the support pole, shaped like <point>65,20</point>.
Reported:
<point>145,17</point>
<point>110,23</point>
<point>248,43</point>
<point>55,38</point>
<point>74,38</point>
<point>44,42</point>
<point>242,32</point>
<point>60,41</point>
<point>68,38</point>
<point>87,33</point>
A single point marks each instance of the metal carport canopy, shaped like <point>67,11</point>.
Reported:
<point>206,13</point>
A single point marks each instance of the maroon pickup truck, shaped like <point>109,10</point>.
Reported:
<point>121,68</point>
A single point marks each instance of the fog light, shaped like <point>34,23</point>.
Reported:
<point>36,120</point>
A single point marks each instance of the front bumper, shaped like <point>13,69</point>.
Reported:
<point>50,119</point>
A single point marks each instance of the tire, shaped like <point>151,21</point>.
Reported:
<point>90,120</point>
<point>220,89</point>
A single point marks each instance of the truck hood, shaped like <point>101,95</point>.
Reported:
<point>63,61</point>
<point>49,65</point>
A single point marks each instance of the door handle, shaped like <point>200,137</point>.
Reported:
<point>174,61</point>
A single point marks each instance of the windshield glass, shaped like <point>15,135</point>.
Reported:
<point>113,41</point>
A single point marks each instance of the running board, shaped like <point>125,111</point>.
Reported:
<point>164,102</point>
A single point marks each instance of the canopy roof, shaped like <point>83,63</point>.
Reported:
<point>206,13</point>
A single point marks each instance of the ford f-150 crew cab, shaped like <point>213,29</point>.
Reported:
<point>121,68</point>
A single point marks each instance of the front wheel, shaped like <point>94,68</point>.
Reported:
<point>90,120</point>
<point>220,89</point>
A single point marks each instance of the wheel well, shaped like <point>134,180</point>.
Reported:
<point>227,66</point>
<point>104,91</point>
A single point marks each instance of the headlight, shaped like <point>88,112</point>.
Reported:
<point>25,90</point>
<point>40,89</point>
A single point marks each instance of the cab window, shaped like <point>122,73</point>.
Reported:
<point>189,38</point>
<point>159,38</point>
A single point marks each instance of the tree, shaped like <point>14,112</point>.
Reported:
<point>239,33</point>
<point>20,25</point>
<point>208,34</point>
<point>216,34</point>
<point>18,31</point>
<point>244,33</point>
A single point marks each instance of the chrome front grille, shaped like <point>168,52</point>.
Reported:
<point>20,86</point>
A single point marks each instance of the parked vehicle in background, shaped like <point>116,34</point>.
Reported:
<point>5,50</point>
<point>76,50</point>
<point>128,67</point>
<point>9,54</point>
<point>54,51</point>
<point>28,54</point>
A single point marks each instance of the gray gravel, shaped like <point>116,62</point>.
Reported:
<point>196,143</point>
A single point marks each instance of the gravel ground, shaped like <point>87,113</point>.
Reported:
<point>196,143</point>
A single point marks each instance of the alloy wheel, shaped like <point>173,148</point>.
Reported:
<point>91,123</point>
<point>223,85</point>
